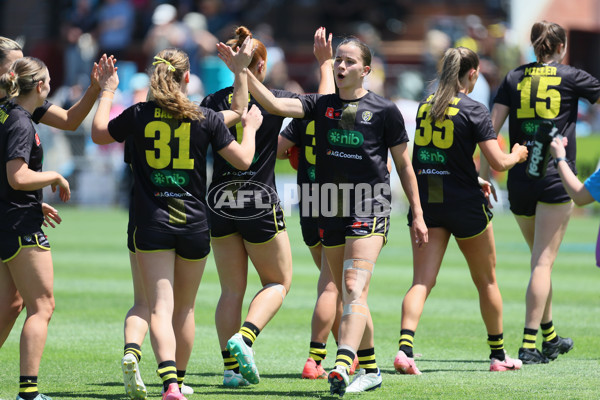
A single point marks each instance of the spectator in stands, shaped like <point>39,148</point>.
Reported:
<point>116,22</point>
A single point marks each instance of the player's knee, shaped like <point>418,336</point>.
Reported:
<point>355,280</point>
<point>426,284</point>
<point>233,292</point>
<point>42,307</point>
<point>279,288</point>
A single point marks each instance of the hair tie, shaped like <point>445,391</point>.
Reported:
<point>159,60</point>
<point>12,73</point>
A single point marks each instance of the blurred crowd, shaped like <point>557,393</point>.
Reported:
<point>134,30</point>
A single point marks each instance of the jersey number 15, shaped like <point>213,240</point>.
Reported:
<point>546,102</point>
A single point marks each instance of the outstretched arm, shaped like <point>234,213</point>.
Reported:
<point>498,159</point>
<point>70,119</point>
<point>239,63</point>
<point>284,107</point>
<point>324,55</point>
<point>100,134</point>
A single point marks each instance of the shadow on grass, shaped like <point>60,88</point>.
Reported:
<point>220,375</point>
<point>455,361</point>
<point>250,391</point>
<point>85,395</point>
<point>425,370</point>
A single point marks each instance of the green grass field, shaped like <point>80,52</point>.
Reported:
<point>93,292</point>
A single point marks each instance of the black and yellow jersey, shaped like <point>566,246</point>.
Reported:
<point>536,92</point>
<point>169,165</point>
<point>21,210</point>
<point>352,142</point>
<point>262,169</point>
<point>302,133</point>
<point>443,151</point>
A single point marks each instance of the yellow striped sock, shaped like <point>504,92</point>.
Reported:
<point>529,337</point>
<point>167,371</point>
<point>250,332</point>
<point>548,332</point>
<point>230,363</point>
<point>405,343</point>
<point>133,348</point>
<point>180,377</point>
<point>317,352</point>
<point>28,387</point>
<point>366,360</point>
<point>344,357</point>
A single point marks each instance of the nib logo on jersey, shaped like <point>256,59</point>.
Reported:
<point>345,138</point>
<point>168,178</point>
<point>165,178</point>
<point>431,156</point>
<point>255,198</point>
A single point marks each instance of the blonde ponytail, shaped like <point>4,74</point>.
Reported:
<point>455,64</point>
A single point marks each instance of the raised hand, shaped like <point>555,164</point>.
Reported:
<point>242,58</point>
<point>322,47</point>
<point>107,73</point>
<point>226,54</point>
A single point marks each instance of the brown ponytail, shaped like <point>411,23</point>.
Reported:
<point>545,38</point>
<point>455,64</point>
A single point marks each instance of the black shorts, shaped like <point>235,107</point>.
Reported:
<point>253,229</point>
<point>523,195</point>
<point>464,220</point>
<point>334,231</point>
<point>310,230</point>
<point>12,243</point>
<point>189,246</point>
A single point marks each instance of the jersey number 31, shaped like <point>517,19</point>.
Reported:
<point>160,157</point>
